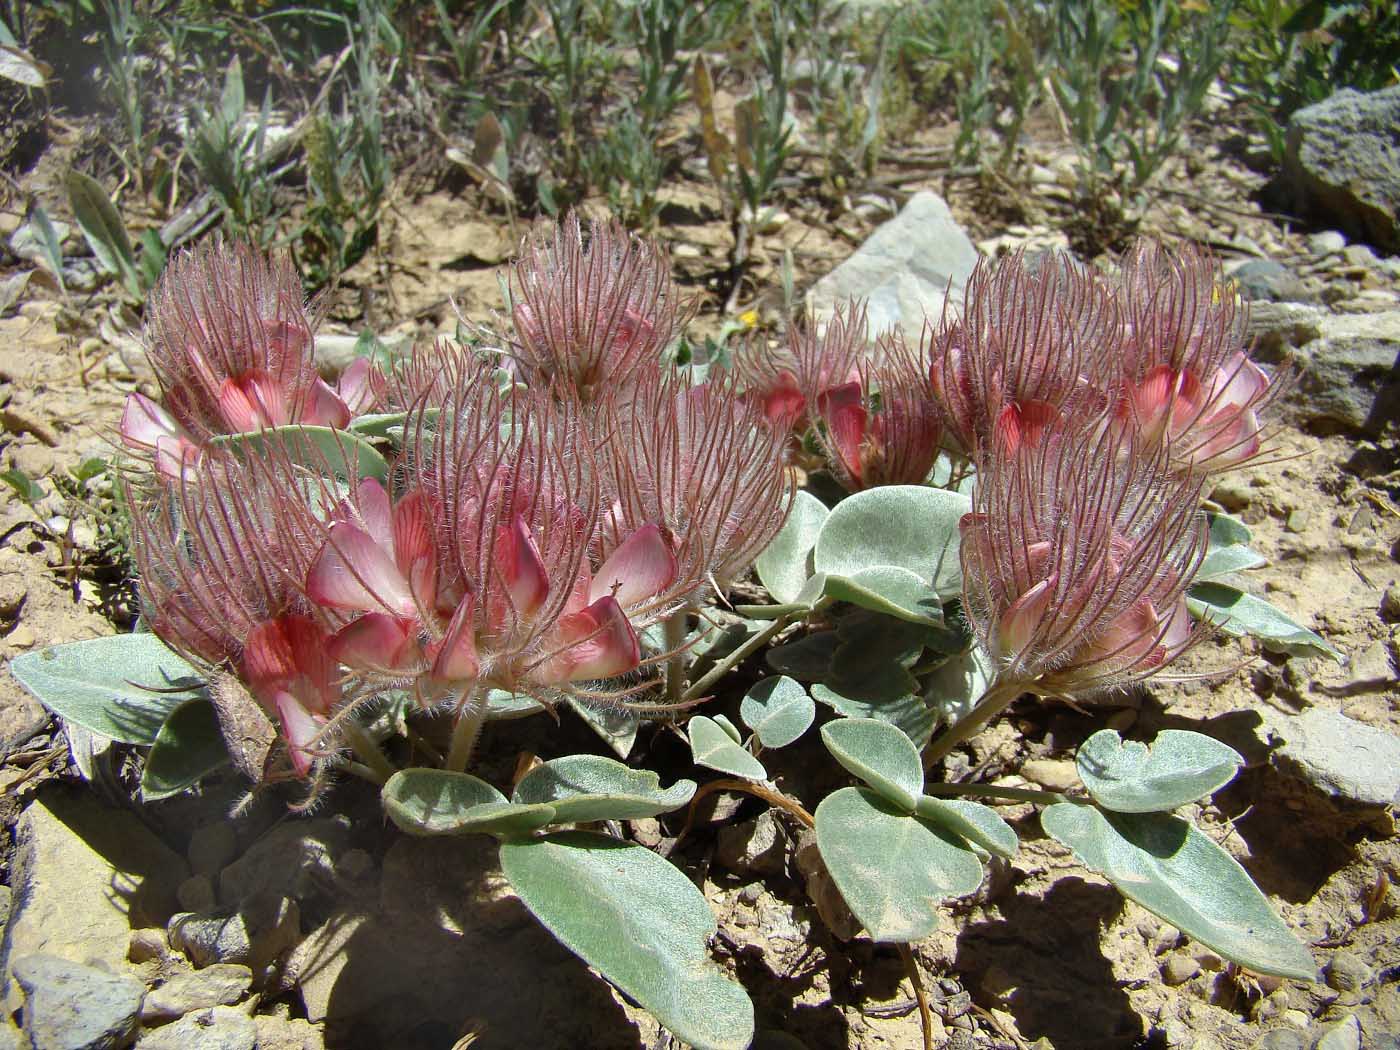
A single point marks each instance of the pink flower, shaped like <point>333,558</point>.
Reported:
<point>1076,558</point>
<point>288,669</point>
<point>588,311</point>
<point>790,380</point>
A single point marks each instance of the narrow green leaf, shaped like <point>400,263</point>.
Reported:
<point>318,448</point>
<point>123,687</point>
<point>581,788</point>
<point>641,923</point>
<point>778,710</point>
<point>377,424</point>
<point>1181,876</point>
<point>905,526</point>
<point>730,729</point>
<point>503,706</point>
<point>440,802</point>
<point>1238,613</point>
<point>1228,550</point>
<point>881,755</point>
<point>713,748</point>
<point>1178,768</point>
<point>892,868</point>
<point>783,566</point>
<point>188,747</point>
<point>973,821</point>
<point>102,226</point>
<point>50,243</point>
<point>25,487</point>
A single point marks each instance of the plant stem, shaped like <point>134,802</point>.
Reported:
<point>471,716</point>
<point>1009,794</point>
<point>359,769</point>
<point>367,750</point>
<point>996,700</point>
<point>747,787</point>
<point>675,631</point>
<point>740,654</point>
<point>920,996</point>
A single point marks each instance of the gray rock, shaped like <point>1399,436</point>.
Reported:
<point>84,874</point>
<point>1348,366</point>
<point>218,1028</point>
<point>221,984</point>
<point>1347,973</point>
<point>904,268</point>
<point>211,847</point>
<point>1179,968</point>
<point>11,1038</point>
<point>294,859</point>
<point>1342,758</point>
<point>258,935</point>
<point>68,1006</point>
<point>1282,1039</point>
<point>1269,281</point>
<point>1326,243</point>
<point>1343,163</point>
<point>757,846</point>
<point>285,1033</point>
<point>1343,1036</point>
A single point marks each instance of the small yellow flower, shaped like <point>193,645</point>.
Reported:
<point>749,318</point>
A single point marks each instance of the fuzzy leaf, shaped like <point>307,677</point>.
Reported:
<point>881,755</point>
<point>102,227</point>
<point>954,687</point>
<point>713,748</point>
<point>1228,549</point>
<point>581,788</point>
<point>616,728</point>
<point>640,922</point>
<point>906,526</point>
<point>1238,613</point>
<point>1178,768</point>
<point>503,706</point>
<point>123,687</point>
<point>440,802</point>
<point>188,747</point>
<point>778,710</point>
<point>892,868</point>
<point>782,567</point>
<point>318,448</point>
<point>1180,875</point>
<point>973,821</point>
<point>890,590</point>
<point>906,711</point>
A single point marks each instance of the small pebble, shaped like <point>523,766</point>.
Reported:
<point>1347,973</point>
<point>1343,1036</point>
<point>1326,242</point>
<point>1296,521</point>
<point>1179,969</point>
<point>1296,1018</point>
<point>1053,774</point>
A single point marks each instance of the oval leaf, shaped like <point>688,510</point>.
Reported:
<point>890,590</point>
<point>188,747</point>
<point>102,227</point>
<point>1180,875</point>
<point>906,526</point>
<point>713,748</point>
<point>1178,768</point>
<point>953,688</point>
<point>906,711</point>
<point>782,567</point>
<point>440,802</point>
<point>318,448</point>
<point>503,706</point>
<point>975,822</point>
<point>879,754</point>
<point>123,687</point>
<point>777,709</point>
<point>1238,613</point>
<point>581,788</point>
<point>893,869</point>
<point>638,921</point>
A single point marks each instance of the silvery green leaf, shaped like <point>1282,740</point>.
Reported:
<point>441,802</point>
<point>188,747</point>
<point>583,788</point>
<point>892,868</point>
<point>905,526</point>
<point>616,727</point>
<point>1238,613</point>
<point>712,747</point>
<point>782,568</point>
<point>881,755</point>
<point>1171,869</point>
<point>1178,768</point>
<point>973,821</point>
<point>778,710</point>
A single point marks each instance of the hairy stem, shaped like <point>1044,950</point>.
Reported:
<point>920,996</point>
<point>675,631</point>
<point>471,716</point>
<point>359,769</point>
<point>1009,794</point>
<point>739,655</point>
<point>367,750</point>
<point>994,701</point>
<point>746,787</point>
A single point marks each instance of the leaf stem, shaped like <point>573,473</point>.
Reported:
<point>367,750</point>
<point>471,715</point>
<point>675,629</point>
<point>740,654</point>
<point>1009,794</point>
<point>994,701</point>
<point>747,787</point>
<point>920,996</point>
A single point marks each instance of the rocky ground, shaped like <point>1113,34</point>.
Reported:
<point>183,926</point>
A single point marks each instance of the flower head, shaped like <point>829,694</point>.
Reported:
<point>588,311</point>
<point>1034,339</point>
<point>790,380</point>
<point>1076,558</point>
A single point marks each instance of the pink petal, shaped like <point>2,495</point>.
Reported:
<point>176,457</point>
<point>322,407</point>
<point>372,508</point>
<point>374,642</point>
<point>843,408</point>
<point>358,386</point>
<point>642,566</point>
<point>354,572</point>
<point>291,652</point>
<point>300,728</point>
<point>1022,424</point>
<point>1023,619</point>
<point>287,342</point>
<point>599,643</point>
<point>456,658</point>
<point>1128,641</point>
<point>144,423</point>
<point>253,401</point>
<point>521,568</point>
<point>1239,382</point>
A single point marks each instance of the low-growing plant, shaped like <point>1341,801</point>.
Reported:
<point>359,580</point>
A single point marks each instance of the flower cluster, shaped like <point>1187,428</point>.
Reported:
<point>230,338</point>
<point>523,537</point>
